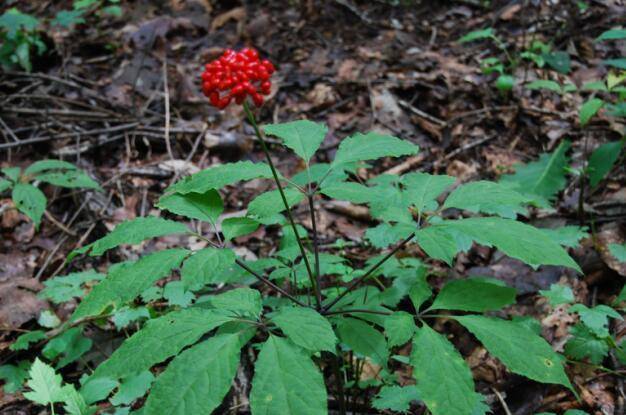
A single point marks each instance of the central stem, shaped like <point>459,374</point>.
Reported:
<point>252,121</point>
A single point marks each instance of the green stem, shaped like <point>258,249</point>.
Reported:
<point>318,282</point>
<point>252,121</point>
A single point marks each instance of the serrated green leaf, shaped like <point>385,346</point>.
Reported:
<point>64,288</point>
<point>477,35</point>
<point>30,201</point>
<point>158,340</point>
<point>558,294</point>
<point>303,137</point>
<point>132,232</point>
<point>48,319</point>
<point>422,189</point>
<point>199,378</point>
<point>206,266</point>
<point>14,376</point>
<point>522,351</point>
<point>132,388</point>
<point>13,21</point>
<point>419,292</point>
<point>602,160</point>
<point>399,328</point>
<point>241,301</point>
<point>363,339</point>
<point>206,206</point>
<point>235,227</point>
<point>23,342</point>
<point>384,234</point>
<point>125,283</point>
<point>74,403</point>
<point>596,318</point>
<point>438,243</point>
<point>584,343</point>
<point>395,398</point>
<point>68,18</point>
<point>543,178</point>
<point>487,197</point>
<point>349,191</point>
<point>71,179</point>
<point>306,328</point>
<point>126,315</point>
<point>46,385</point>
<point>516,239</point>
<point>319,172</point>
<point>444,381</point>
<point>220,176</point>
<point>568,236</point>
<point>70,346</point>
<point>613,34</point>
<point>370,146</point>
<point>286,381</point>
<point>589,109</point>
<point>270,203</point>
<point>177,294</point>
<point>473,294</point>
<point>97,389</point>
<point>5,185</point>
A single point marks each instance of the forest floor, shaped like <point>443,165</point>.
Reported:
<point>111,93</point>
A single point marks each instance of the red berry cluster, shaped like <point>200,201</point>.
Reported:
<point>235,75</point>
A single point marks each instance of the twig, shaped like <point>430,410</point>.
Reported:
<point>58,224</point>
<point>502,402</point>
<point>356,311</point>
<point>422,114</point>
<point>166,94</point>
<point>374,267</point>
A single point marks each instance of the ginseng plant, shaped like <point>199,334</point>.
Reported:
<point>321,330</point>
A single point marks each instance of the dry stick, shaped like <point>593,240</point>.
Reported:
<point>368,273</point>
<point>318,282</point>
<point>282,195</point>
<point>166,94</point>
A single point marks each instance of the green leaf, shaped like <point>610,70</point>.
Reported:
<point>543,178</point>
<point>596,318</point>
<point>44,165</point>
<point>399,328</point>
<point>602,161</point>
<point>46,385</point>
<point>516,239</point>
<point>220,176</point>
<point>363,147</point>
<point>444,381</point>
<point>199,378</point>
<point>14,376</point>
<point>349,191</point>
<point>478,35</point>
<point>30,201</point>
<point>127,315</point>
<point>13,173</point>
<point>270,203</point>
<point>68,18</point>
<point>422,189</point>
<point>584,343</point>
<point>14,21</point>
<point>544,84</point>
<point>419,292</point>
<point>558,294</point>
<point>619,63</point>
<point>23,342</point>
<point>235,227</point>
<point>206,266</point>
<point>473,294</point>
<point>319,172</point>
<point>505,82</point>
<point>126,282</point>
<point>207,206</point>
<point>241,301</point>
<point>306,328</point>
<point>132,388</point>
<point>384,234</point>
<point>70,346</point>
<point>71,179</point>
<point>177,294</point>
<point>438,243</point>
<point>97,389</point>
<point>487,197</point>
<point>74,402</point>
<point>64,288</point>
<point>303,137</point>
<point>558,60</point>
<point>589,109</point>
<point>521,350</point>
<point>568,236</point>
<point>48,319</point>
<point>5,185</point>
<point>132,232</point>
<point>158,340</point>
<point>618,251</point>
<point>363,339</point>
<point>613,34</point>
<point>286,381</point>
<point>395,398</point>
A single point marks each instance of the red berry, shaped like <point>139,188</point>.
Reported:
<point>257,99</point>
<point>266,87</point>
